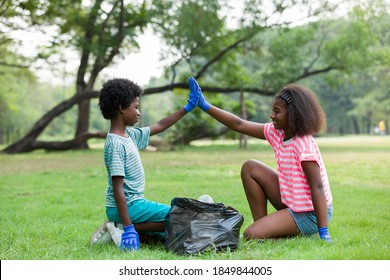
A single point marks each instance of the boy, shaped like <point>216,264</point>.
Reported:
<point>125,202</point>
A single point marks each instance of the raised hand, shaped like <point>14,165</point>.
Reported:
<point>192,97</point>
<point>202,103</point>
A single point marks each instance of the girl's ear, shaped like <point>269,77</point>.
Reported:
<point>121,110</point>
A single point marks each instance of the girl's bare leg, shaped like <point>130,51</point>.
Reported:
<point>144,227</point>
<point>276,224</point>
<point>157,227</point>
<point>261,184</point>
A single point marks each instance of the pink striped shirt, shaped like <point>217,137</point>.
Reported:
<point>294,188</point>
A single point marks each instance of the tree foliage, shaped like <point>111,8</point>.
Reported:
<point>265,49</point>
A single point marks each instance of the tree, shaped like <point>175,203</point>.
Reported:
<point>99,32</point>
<point>357,99</point>
<point>198,38</point>
<point>13,78</point>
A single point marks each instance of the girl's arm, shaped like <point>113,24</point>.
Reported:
<point>236,123</point>
<point>230,120</point>
<point>166,122</point>
<point>313,176</point>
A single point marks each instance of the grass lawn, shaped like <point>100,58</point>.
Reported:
<point>52,202</point>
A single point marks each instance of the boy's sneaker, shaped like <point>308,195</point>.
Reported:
<point>115,230</point>
<point>101,235</point>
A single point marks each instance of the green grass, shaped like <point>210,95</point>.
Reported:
<point>52,202</point>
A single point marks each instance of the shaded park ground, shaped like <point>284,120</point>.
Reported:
<point>52,202</point>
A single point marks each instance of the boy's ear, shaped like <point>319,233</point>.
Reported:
<point>120,109</point>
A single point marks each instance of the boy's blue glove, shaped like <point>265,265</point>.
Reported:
<point>192,97</point>
<point>324,234</point>
<point>202,103</point>
<point>130,238</point>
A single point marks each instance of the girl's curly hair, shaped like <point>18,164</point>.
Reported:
<point>305,114</point>
<point>115,94</point>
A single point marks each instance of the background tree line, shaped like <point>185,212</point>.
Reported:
<point>345,60</point>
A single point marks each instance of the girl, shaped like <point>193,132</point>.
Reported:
<point>299,188</point>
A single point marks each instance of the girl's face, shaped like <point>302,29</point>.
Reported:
<point>131,114</point>
<point>279,115</point>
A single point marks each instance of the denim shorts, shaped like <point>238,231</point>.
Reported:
<point>141,211</point>
<point>307,221</point>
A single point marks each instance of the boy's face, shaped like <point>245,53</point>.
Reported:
<point>131,114</point>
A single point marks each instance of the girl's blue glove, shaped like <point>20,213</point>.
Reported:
<point>130,238</point>
<point>202,103</point>
<point>192,97</point>
<point>324,234</point>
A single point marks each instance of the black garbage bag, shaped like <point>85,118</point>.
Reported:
<point>193,227</point>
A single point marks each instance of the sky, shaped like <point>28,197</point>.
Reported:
<point>142,65</point>
<point>146,60</point>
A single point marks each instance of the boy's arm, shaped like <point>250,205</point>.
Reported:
<point>120,199</point>
<point>166,122</point>
<point>130,238</point>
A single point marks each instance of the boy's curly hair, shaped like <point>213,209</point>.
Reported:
<point>115,94</point>
<point>305,114</point>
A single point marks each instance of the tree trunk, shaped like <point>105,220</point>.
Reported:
<point>82,123</point>
<point>355,125</point>
<point>28,142</point>
<point>244,115</point>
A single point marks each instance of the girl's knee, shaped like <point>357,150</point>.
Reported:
<point>251,233</point>
<point>248,166</point>
<point>249,163</point>
<point>248,234</point>
<point>253,168</point>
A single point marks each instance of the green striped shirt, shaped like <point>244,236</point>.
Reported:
<point>122,158</point>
